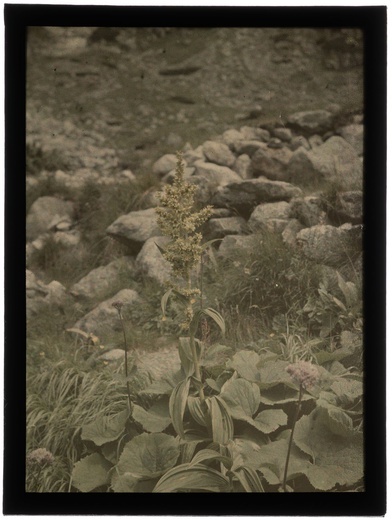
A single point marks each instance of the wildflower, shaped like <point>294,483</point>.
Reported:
<point>40,457</point>
<point>304,373</point>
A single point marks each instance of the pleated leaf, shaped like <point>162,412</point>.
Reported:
<point>198,477</point>
<point>177,404</point>
<point>249,480</point>
<point>221,421</point>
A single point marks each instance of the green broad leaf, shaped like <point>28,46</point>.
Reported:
<point>273,456</point>
<point>347,390</point>
<point>244,362</point>
<point>188,449</point>
<point>177,404</point>
<point>195,407</point>
<point>335,459</point>
<point>165,299</point>
<point>155,419</point>
<point>208,455</point>
<point>198,477</point>
<point>323,356</point>
<point>268,421</point>
<point>349,291</point>
<point>164,386</point>
<point>274,373</point>
<point>217,317</point>
<point>221,421</point>
<point>249,480</point>
<point>242,397</point>
<point>334,418</point>
<point>213,384</point>
<point>105,429</point>
<point>91,472</point>
<point>216,355</point>
<point>282,394</point>
<point>149,455</point>
<point>186,356</point>
<point>125,483</point>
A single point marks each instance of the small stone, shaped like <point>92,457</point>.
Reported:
<point>311,121</point>
<point>284,134</point>
<point>242,166</point>
<point>315,141</point>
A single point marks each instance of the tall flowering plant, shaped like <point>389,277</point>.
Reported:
<point>179,220</point>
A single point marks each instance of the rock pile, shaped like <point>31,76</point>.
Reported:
<point>256,179</point>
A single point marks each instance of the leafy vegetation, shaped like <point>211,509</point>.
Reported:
<point>268,397</point>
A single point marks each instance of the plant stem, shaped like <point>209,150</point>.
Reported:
<point>291,437</point>
<point>126,360</point>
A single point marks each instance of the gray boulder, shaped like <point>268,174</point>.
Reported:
<point>353,134</point>
<point>246,195</point>
<point>263,213</point>
<point>40,296</point>
<point>220,227</point>
<point>335,161</point>
<point>43,211</point>
<point>308,211</point>
<point>164,164</point>
<point>215,174</point>
<point>100,283</point>
<point>248,146</point>
<point>251,133</point>
<point>330,245</point>
<point>311,121</point>
<point>191,156</point>
<point>272,163</point>
<point>150,262</point>
<point>233,245</point>
<point>104,319</point>
<point>218,153</point>
<point>349,206</point>
<point>135,228</point>
<point>231,136</point>
<point>284,134</point>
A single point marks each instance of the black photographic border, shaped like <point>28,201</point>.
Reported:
<point>372,502</point>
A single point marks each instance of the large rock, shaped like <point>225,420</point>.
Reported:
<point>272,163</point>
<point>220,227</point>
<point>353,134</point>
<point>284,134</point>
<point>231,136</point>
<point>263,213</point>
<point>246,195</point>
<point>135,228</point>
<point>40,296</point>
<point>150,262</point>
<point>43,212</point>
<point>335,161</point>
<point>329,245</point>
<point>251,132</point>
<point>311,121</point>
<point>164,164</point>
<point>248,146</point>
<point>218,153</point>
<point>215,174</point>
<point>104,319</point>
<point>232,245</point>
<point>349,206</point>
<point>308,211</point>
<point>100,283</point>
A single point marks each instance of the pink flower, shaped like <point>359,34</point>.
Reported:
<point>304,373</point>
<point>40,457</point>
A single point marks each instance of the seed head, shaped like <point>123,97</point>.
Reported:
<point>304,373</point>
<point>118,305</point>
<point>40,457</point>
